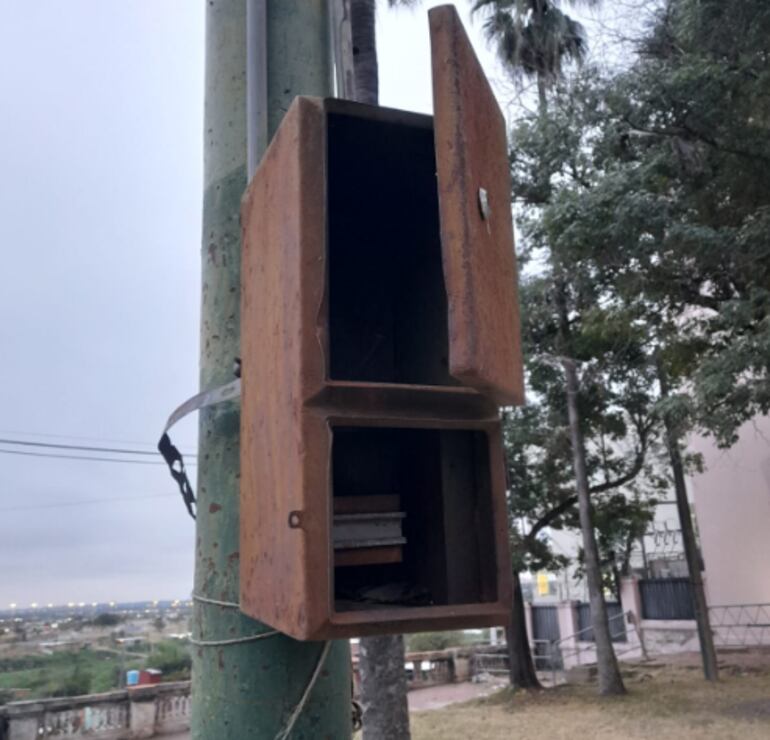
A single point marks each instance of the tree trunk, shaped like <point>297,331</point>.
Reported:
<point>542,98</point>
<point>383,688</point>
<point>362,19</point>
<point>610,681</point>
<point>380,659</point>
<point>700,607</point>
<point>521,666</point>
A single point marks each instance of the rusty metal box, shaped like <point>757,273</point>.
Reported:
<point>379,333</point>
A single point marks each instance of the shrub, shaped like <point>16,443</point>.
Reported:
<point>425,641</point>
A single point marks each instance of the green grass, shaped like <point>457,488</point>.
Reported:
<point>86,671</point>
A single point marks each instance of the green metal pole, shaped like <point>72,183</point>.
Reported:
<point>247,690</point>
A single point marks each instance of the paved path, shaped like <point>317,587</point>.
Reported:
<point>434,697</point>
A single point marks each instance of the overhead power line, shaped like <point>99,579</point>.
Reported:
<point>87,458</point>
<point>85,502</point>
<point>81,448</point>
<point>72,437</point>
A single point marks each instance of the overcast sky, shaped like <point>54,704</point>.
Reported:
<point>100,148</point>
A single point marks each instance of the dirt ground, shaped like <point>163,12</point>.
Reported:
<point>437,697</point>
<point>665,702</point>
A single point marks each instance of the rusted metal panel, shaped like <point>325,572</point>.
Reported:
<point>475,209</point>
<point>282,566</point>
<point>309,442</point>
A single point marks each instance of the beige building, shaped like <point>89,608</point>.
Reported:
<point>732,510</point>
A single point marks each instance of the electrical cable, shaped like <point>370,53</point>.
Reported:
<point>84,502</point>
<point>234,640</point>
<point>216,602</point>
<point>87,458</point>
<point>81,448</point>
<point>284,734</point>
<point>231,641</point>
<point>20,433</point>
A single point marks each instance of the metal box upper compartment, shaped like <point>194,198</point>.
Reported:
<point>405,235</point>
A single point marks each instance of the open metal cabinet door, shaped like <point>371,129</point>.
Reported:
<point>284,551</point>
<point>475,211</point>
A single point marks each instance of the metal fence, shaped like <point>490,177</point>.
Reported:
<point>666,598</point>
<point>545,631</point>
<point>495,664</point>
<point>617,626</point>
<point>545,622</point>
<point>740,625</point>
<point>577,648</point>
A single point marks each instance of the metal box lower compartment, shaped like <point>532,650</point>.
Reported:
<point>400,526</point>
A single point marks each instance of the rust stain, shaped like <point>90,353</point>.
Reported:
<point>214,508</point>
<point>479,257</point>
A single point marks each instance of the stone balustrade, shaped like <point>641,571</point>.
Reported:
<point>430,668</point>
<point>129,714</point>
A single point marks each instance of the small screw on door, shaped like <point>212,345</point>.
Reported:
<point>484,206</point>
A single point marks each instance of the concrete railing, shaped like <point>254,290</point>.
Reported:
<point>141,712</point>
<point>434,667</point>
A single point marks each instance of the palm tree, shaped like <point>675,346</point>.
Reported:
<point>534,38</point>
<point>380,659</point>
<point>362,20</point>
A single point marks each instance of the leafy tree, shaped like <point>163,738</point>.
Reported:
<point>535,38</point>
<point>678,212</point>
<point>614,402</point>
<point>620,520</point>
<point>668,197</point>
<point>173,658</point>
<point>107,619</point>
<point>427,641</point>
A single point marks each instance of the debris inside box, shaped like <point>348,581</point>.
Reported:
<point>399,593</point>
<point>368,531</point>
